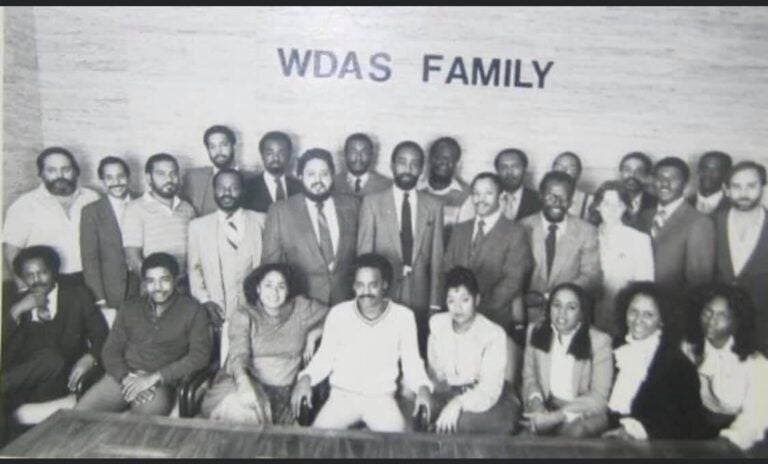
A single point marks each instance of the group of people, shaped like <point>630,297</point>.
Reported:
<point>631,312</point>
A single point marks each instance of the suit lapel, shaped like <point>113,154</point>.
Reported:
<point>544,363</point>
<point>421,224</point>
<point>678,217</point>
<point>346,229</point>
<point>724,248</point>
<point>761,249</point>
<point>539,251</point>
<point>564,248</point>
<point>108,220</point>
<point>392,226</point>
<point>304,222</point>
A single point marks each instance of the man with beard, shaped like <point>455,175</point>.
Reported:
<point>713,170</point>
<point>406,226</point>
<point>570,163</point>
<point>197,187</point>
<point>517,201</point>
<point>273,184</point>
<point>742,241</point>
<point>315,231</point>
<point>224,247</point>
<point>158,221</point>
<point>634,172</point>
<point>565,248</point>
<point>101,240</point>
<point>368,343</point>
<point>360,179</point>
<point>50,214</point>
<point>157,340</point>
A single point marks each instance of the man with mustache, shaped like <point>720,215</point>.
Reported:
<point>360,179</point>
<point>742,241</point>
<point>197,187</point>
<point>50,214</point>
<point>713,170</point>
<point>101,240</point>
<point>224,247</point>
<point>634,172</point>
<point>158,221</point>
<point>406,226</point>
<point>565,247</point>
<point>274,184</point>
<point>315,231</point>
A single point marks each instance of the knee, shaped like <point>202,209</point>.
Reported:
<point>160,405</point>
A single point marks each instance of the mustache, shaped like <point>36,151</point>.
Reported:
<point>118,186</point>
<point>366,295</point>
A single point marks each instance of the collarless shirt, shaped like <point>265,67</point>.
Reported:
<point>561,366</point>
<point>118,207</point>
<point>413,199</point>
<point>53,304</point>
<point>272,181</point>
<point>423,185</point>
<point>329,209</point>
<point>488,222</point>
<point>743,236</point>
<point>708,204</point>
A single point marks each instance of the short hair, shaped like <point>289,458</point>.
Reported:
<point>358,136</point>
<point>597,199</point>
<point>112,160</point>
<point>492,176</point>
<point>253,280</point>
<point>745,166</point>
<point>638,155</point>
<point>53,151</point>
<point>450,141</point>
<point>724,158</point>
<point>315,153</point>
<point>276,135</point>
<point>571,154</point>
<point>741,307</point>
<point>219,129</point>
<point>375,261</point>
<point>511,151</point>
<point>42,252</point>
<point>558,176</point>
<point>674,162</point>
<point>408,144</point>
<point>670,332</point>
<point>581,345</point>
<point>157,158</point>
<point>460,276</point>
<point>223,171</point>
<point>160,259</point>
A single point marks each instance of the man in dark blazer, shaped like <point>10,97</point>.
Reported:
<point>495,248</point>
<point>197,187</point>
<point>634,172</point>
<point>101,240</point>
<point>315,231</point>
<point>712,172</point>
<point>360,179</point>
<point>742,241</point>
<point>274,183</point>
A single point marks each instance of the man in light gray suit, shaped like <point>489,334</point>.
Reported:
<point>197,187</point>
<point>360,179</point>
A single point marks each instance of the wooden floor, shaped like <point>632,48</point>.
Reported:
<point>79,434</point>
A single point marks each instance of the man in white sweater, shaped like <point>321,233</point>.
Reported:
<point>365,341</point>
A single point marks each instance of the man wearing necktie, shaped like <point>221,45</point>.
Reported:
<point>274,184</point>
<point>361,178</point>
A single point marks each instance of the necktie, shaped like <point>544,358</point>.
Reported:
<point>230,232</point>
<point>44,312</point>
<point>326,245</point>
<point>550,246</point>
<point>510,211</point>
<point>479,236</point>
<point>357,185</point>
<point>406,231</point>
<point>280,192</point>
<point>658,222</point>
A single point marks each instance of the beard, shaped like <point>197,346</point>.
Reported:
<point>745,203</point>
<point>276,169</point>
<point>318,197</point>
<point>511,185</point>
<point>221,161</point>
<point>60,187</point>
<point>161,191</point>
<point>554,217</point>
<point>405,181</point>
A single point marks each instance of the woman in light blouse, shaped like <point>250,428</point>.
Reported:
<point>733,373</point>
<point>626,254</point>
<point>568,368</point>
<point>468,357</point>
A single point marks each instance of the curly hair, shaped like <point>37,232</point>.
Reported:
<point>251,283</point>
<point>670,332</point>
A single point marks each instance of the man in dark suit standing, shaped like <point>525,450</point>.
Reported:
<point>274,184</point>
<point>360,179</point>
<point>713,170</point>
<point>197,187</point>
<point>315,231</point>
<point>742,241</point>
<point>101,241</point>
<point>634,172</point>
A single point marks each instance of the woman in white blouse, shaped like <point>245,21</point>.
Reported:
<point>568,369</point>
<point>468,357</point>
<point>733,374</point>
<point>626,254</point>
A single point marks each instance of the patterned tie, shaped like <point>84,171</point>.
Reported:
<point>326,245</point>
<point>357,185</point>
<point>479,236</point>
<point>406,231</point>
<point>280,193</point>
<point>658,222</point>
<point>230,231</point>
<point>510,210</point>
<point>550,247</point>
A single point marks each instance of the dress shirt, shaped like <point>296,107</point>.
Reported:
<point>353,178</point>
<point>53,304</point>
<point>561,227</point>
<point>271,182</point>
<point>510,202</point>
<point>743,234</point>
<point>669,209</point>
<point>413,200</point>
<point>635,205</point>
<point>708,204</point>
<point>237,218</point>
<point>729,377</point>
<point>561,366</point>
<point>633,361</point>
<point>626,255</point>
<point>329,210</point>
<point>488,222</point>
<point>118,207</point>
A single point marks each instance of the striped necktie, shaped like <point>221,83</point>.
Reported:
<point>658,222</point>
<point>231,233</point>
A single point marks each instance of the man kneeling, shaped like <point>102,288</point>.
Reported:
<point>155,341</point>
<point>363,341</point>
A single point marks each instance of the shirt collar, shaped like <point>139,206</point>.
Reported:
<point>353,178</point>
<point>713,199</point>
<point>236,216</point>
<point>149,197</point>
<point>671,207</point>
<point>561,226</point>
<point>118,202</point>
<point>45,191</point>
<point>489,221</point>
<point>566,339</point>
<point>709,348</point>
<point>423,184</point>
<point>53,303</point>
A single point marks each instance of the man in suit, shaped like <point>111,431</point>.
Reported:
<point>495,248</point>
<point>224,247</point>
<point>683,238</point>
<point>101,240</point>
<point>360,179</point>
<point>570,163</point>
<point>315,231</point>
<point>634,173</point>
<point>406,226</point>
<point>274,184</point>
<point>713,170</point>
<point>565,248</point>
<point>197,187</point>
<point>742,241</point>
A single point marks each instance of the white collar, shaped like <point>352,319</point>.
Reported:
<point>363,178</point>
<point>423,184</point>
<point>670,208</point>
<point>119,202</point>
<point>709,348</point>
<point>566,339</point>
<point>561,226</point>
<point>237,216</point>
<point>149,197</point>
<point>490,220</point>
<point>53,303</point>
<point>712,199</point>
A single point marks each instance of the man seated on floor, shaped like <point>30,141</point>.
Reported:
<point>155,341</point>
<point>364,340</point>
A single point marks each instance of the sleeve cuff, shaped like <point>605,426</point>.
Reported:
<point>634,428</point>
<point>535,395</point>
<point>738,439</point>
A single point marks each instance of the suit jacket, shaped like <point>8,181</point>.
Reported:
<point>684,249</point>
<point>204,263</point>
<point>101,248</point>
<point>722,205</point>
<point>592,378</point>
<point>753,276</point>
<point>197,189</point>
<point>380,233</point>
<point>577,256</point>
<point>530,203</point>
<point>501,263</point>
<point>290,237</point>
<point>376,183</point>
<point>257,197</point>
<point>647,201</point>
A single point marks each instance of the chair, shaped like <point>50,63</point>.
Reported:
<point>192,388</point>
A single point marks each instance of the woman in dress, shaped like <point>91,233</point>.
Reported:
<point>268,339</point>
